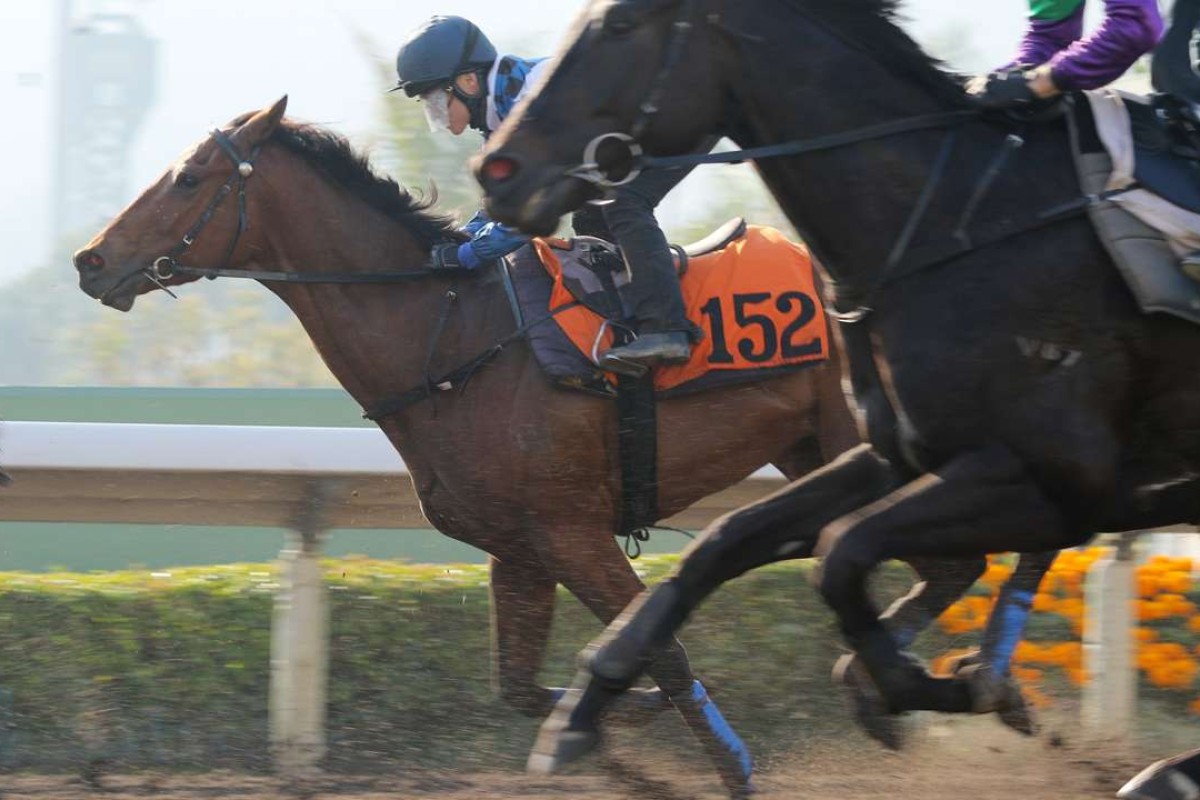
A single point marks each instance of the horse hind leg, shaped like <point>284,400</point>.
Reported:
<point>522,610</point>
<point>991,670</point>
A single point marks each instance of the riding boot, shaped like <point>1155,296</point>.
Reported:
<point>656,304</point>
<point>668,347</point>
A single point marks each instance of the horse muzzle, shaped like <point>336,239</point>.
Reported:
<point>530,199</point>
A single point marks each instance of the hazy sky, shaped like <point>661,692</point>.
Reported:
<point>221,57</point>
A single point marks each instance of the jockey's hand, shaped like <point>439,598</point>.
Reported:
<point>447,256</point>
<point>495,240</point>
<point>1002,90</point>
<point>475,223</point>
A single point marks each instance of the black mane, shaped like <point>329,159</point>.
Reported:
<point>332,155</point>
<point>872,26</point>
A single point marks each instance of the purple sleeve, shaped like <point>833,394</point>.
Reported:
<point>1131,29</point>
<point>1045,38</point>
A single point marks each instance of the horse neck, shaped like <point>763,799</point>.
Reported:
<point>849,203</point>
<point>377,339</point>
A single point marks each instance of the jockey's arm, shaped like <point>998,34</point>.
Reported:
<point>1065,60</point>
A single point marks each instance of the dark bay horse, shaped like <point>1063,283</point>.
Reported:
<point>526,472</point>
<point>943,233</point>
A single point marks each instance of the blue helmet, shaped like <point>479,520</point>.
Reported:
<point>438,51</point>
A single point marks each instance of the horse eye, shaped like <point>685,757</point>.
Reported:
<point>619,21</point>
<point>186,180</point>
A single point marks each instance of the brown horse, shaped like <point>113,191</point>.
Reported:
<point>524,471</point>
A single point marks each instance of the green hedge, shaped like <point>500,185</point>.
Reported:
<point>171,669</point>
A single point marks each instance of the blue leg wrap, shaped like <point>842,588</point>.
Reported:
<point>721,729</point>
<point>1013,609</point>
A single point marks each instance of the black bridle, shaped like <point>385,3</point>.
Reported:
<point>165,267</point>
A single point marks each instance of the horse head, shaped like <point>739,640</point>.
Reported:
<point>199,206</point>
<point>639,73</point>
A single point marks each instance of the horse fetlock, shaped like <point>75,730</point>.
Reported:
<point>867,705</point>
<point>990,691</point>
<point>900,678</point>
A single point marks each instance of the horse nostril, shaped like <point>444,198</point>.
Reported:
<point>89,260</point>
<point>498,169</point>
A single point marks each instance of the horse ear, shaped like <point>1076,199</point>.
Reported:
<point>261,125</point>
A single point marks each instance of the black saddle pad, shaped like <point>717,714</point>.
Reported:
<point>1161,163</point>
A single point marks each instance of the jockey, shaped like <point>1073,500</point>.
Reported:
<point>462,82</point>
<point>1055,57</point>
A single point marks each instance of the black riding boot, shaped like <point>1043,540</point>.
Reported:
<point>649,349</point>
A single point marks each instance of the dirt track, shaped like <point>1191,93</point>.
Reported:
<point>971,759</point>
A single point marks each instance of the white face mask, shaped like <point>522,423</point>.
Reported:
<point>437,109</point>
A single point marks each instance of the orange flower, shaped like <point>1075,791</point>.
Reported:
<point>1194,706</point>
<point>1149,610</point>
<point>1027,652</point>
<point>1043,602</point>
<point>1027,674</point>
<point>1149,634</point>
<point>1177,581</point>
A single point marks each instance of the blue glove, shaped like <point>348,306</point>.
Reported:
<point>493,241</point>
<point>475,223</point>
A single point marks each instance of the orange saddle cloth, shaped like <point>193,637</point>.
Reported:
<point>755,300</point>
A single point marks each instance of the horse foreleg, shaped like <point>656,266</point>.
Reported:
<point>782,526</point>
<point>595,570</point>
<point>979,503</point>
<point>522,610</point>
<point>942,581</point>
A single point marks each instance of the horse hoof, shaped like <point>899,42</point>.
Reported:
<point>1017,714</point>
<point>866,703</point>
<point>991,692</point>
<point>555,749</point>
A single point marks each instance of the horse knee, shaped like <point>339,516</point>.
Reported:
<point>844,571</point>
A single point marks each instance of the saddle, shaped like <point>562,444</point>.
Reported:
<point>594,270</point>
<point>1140,169</point>
<point>1138,163</point>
